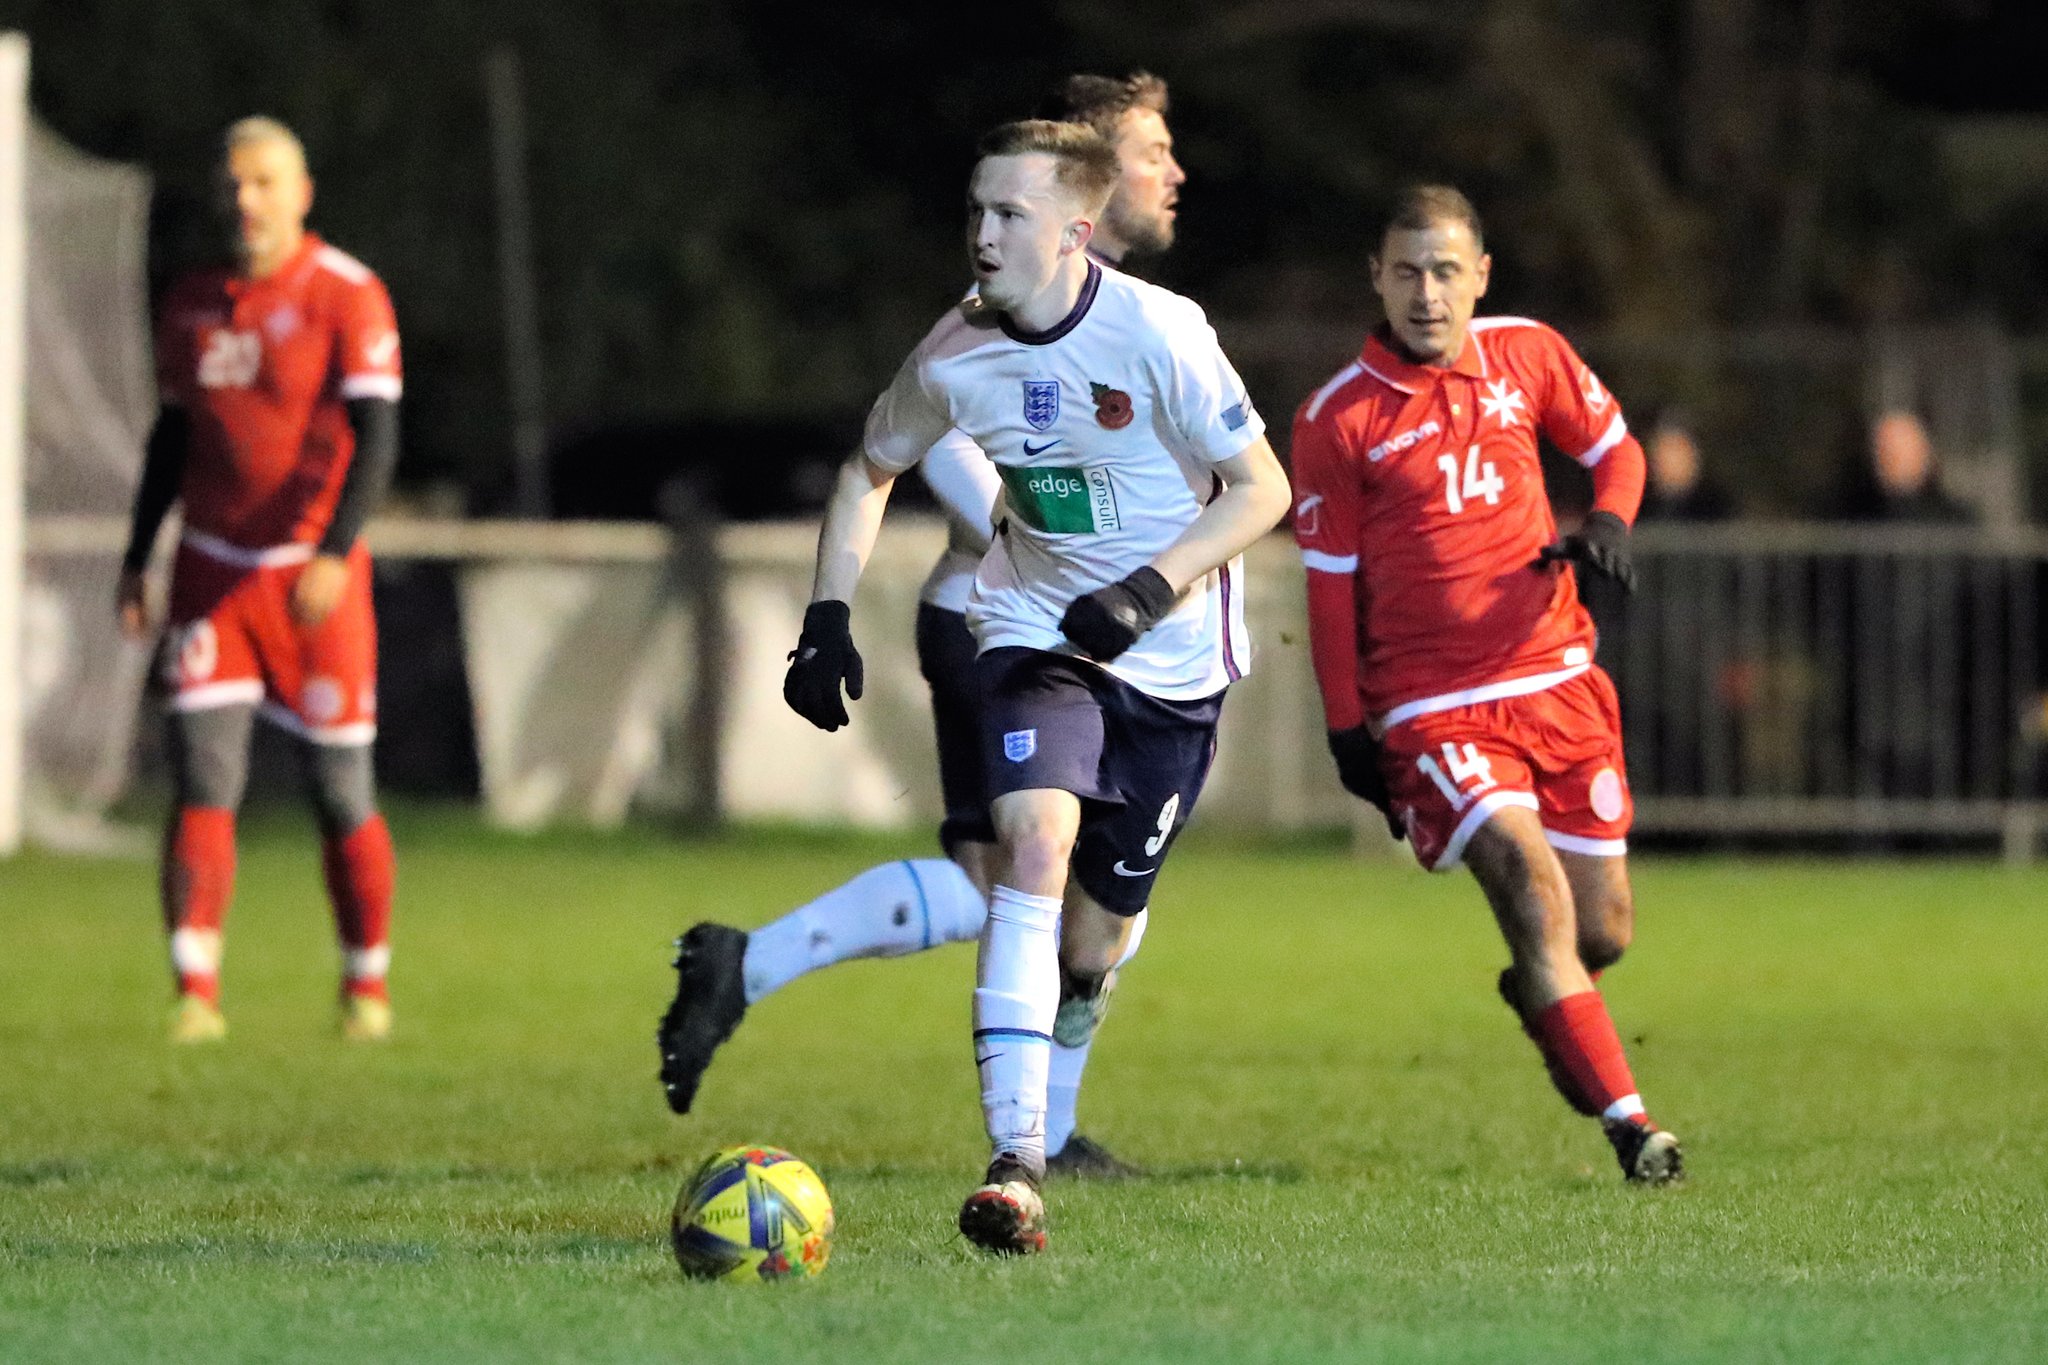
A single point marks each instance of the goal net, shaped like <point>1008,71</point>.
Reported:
<point>84,403</point>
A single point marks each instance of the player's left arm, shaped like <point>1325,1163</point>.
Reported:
<point>1205,404</point>
<point>370,383</point>
<point>1255,496</point>
<point>1584,420</point>
<point>321,583</point>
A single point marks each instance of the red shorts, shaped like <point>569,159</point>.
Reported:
<point>232,640</point>
<point>1556,752</point>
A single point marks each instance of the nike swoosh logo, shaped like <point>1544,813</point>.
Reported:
<point>1032,450</point>
<point>1123,871</point>
<point>984,1061</point>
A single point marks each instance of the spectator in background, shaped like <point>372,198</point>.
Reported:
<point>1688,661</point>
<point>1678,489</point>
<point>1896,478</point>
<point>1899,609</point>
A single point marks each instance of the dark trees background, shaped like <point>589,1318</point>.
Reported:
<point>748,212</point>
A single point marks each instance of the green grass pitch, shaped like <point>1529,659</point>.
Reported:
<point>1354,1153</point>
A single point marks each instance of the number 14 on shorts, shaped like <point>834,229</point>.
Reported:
<point>1462,776</point>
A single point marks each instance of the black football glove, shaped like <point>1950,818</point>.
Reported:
<point>1358,768</point>
<point>1109,620</point>
<point>824,656</point>
<point>1601,544</point>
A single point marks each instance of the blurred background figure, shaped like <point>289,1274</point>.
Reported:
<point>280,382</point>
<point>1900,611</point>
<point>1895,477</point>
<point>1679,488</point>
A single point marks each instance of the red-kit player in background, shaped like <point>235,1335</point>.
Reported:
<point>1453,655</point>
<point>279,433</point>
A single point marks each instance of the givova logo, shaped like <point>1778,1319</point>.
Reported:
<point>1402,440</point>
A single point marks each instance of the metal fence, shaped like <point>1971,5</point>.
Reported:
<point>1882,684</point>
<point>1788,679</point>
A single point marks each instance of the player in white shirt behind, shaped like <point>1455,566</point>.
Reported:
<point>910,905</point>
<point>1108,614</point>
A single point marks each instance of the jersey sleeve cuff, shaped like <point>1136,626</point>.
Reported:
<point>1329,563</point>
<point>385,386</point>
<point>1609,439</point>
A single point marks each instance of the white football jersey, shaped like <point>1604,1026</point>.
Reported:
<point>964,484</point>
<point>1104,430</point>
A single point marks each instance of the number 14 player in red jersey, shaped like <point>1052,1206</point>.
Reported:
<point>1454,657</point>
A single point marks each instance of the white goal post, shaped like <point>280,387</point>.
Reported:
<point>13,323</point>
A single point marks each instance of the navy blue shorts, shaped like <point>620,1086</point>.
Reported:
<point>945,655</point>
<point>1136,761</point>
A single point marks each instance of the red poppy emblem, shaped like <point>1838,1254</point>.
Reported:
<point>1112,406</point>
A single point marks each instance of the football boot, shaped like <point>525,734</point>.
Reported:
<point>195,1019</point>
<point>1085,1158</point>
<point>711,999</point>
<point>365,1018</point>
<point>1006,1215</point>
<point>1080,1015</point>
<point>1648,1155</point>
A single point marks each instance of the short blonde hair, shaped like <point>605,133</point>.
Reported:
<point>1085,163</point>
<point>247,132</point>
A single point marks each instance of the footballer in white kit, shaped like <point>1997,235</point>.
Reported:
<point>1105,431</point>
<point>1107,613</point>
<point>912,904</point>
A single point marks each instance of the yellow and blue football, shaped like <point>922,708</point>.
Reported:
<point>752,1214</point>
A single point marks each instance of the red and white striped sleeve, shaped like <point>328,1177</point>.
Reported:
<point>1327,527</point>
<point>1583,419</point>
<point>366,349</point>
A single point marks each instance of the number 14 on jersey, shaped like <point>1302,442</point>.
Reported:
<point>1479,480</point>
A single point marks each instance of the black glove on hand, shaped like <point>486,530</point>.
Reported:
<point>824,655</point>
<point>1109,620</point>
<point>1358,768</point>
<point>1601,544</point>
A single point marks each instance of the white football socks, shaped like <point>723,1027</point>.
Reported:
<point>886,911</point>
<point>1063,1073</point>
<point>1016,995</point>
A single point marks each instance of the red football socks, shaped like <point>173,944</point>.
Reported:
<point>1579,1034</point>
<point>361,872</point>
<point>198,879</point>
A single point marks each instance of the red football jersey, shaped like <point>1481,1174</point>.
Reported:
<point>1420,512</point>
<point>266,368</point>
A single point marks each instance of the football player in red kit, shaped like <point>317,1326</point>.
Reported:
<point>280,383</point>
<point>1453,655</point>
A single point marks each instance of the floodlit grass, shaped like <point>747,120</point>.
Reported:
<point>1355,1154</point>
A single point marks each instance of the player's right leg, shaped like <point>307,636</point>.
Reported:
<point>1016,998</point>
<point>887,911</point>
<point>209,749</point>
<point>209,670</point>
<point>1043,729</point>
<point>1531,899</point>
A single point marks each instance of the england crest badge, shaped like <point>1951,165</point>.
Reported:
<point>1041,403</point>
<point>1019,745</point>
